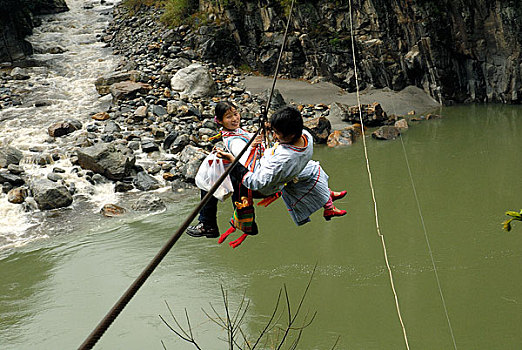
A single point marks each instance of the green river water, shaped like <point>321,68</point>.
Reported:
<point>466,169</point>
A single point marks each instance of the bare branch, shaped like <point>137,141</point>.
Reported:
<point>270,320</point>
<point>336,341</point>
<point>305,292</point>
<point>176,320</point>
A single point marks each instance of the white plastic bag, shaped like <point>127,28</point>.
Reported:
<point>209,172</point>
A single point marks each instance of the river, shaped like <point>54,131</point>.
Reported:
<point>61,275</point>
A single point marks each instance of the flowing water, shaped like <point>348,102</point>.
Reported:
<point>59,279</point>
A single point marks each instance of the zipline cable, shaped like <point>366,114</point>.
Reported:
<point>423,224</point>
<point>109,318</point>
<point>375,209</point>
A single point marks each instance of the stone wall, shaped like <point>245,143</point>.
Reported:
<point>455,50</point>
<point>17,20</point>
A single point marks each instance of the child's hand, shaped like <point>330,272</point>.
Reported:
<point>257,141</point>
<point>224,155</point>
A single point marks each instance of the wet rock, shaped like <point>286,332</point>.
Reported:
<point>343,137</point>
<point>15,169</point>
<point>54,177</point>
<point>145,182</point>
<point>123,186</point>
<point>169,140</point>
<point>110,210</point>
<point>194,81</point>
<point>320,128</point>
<point>106,160</point>
<point>141,112</point>
<point>62,129</point>
<point>50,195</point>
<point>158,110</point>
<point>13,179</point>
<point>401,124</point>
<point>99,179</point>
<point>149,202</point>
<point>9,155</point>
<point>17,195</point>
<point>19,74</point>
<point>386,132</point>
<point>103,83</point>
<point>128,90</point>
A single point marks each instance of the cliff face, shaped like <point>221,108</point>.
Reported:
<point>458,50</point>
<point>17,20</point>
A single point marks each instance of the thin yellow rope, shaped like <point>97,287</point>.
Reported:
<point>368,169</point>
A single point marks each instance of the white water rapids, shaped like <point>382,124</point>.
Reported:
<point>64,84</point>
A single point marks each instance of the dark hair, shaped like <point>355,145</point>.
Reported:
<point>221,108</point>
<point>288,121</point>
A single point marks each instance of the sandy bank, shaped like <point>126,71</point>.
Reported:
<point>301,92</point>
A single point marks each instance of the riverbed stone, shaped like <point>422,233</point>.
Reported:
<point>386,132</point>
<point>110,210</point>
<point>149,202</point>
<point>18,73</point>
<point>50,195</point>
<point>13,179</point>
<point>103,83</point>
<point>15,169</point>
<point>344,137</point>
<point>10,155</point>
<point>62,129</point>
<point>194,81</point>
<point>191,158</point>
<point>17,195</point>
<point>144,182</point>
<point>106,160</point>
<point>128,90</point>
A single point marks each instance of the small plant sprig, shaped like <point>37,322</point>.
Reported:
<point>514,216</point>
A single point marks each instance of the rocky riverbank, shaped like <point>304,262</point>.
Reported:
<point>156,131</point>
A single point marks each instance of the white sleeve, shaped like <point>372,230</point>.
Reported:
<point>235,145</point>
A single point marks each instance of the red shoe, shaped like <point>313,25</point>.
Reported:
<point>328,214</point>
<point>337,195</point>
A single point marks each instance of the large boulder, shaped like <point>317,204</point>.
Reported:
<point>50,195</point>
<point>149,202</point>
<point>194,81</point>
<point>128,90</point>
<point>106,160</point>
<point>104,83</point>
<point>191,158</point>
<point>9,155</point>
<point>320,128</point>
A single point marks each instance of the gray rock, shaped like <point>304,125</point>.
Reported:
<point>145,182</point>
<point>277,100</point>
<point>149,202</point>
<point>149,146</point>
<point>158,110</point>
<point>180,143</point>
<point>13,179</point>
<point>10,155</point>
<point>15,169</point>
<point>106,160</point>
<point>194,81</point>
<point>50,195</point>
<point>54,177</point>
<point>191,158</point>
<point>123,187</point>
<point>111,127</point>
<point>19,74</point>
<point>103,83</point>
<point>62,129</point>
<point>128,90</point>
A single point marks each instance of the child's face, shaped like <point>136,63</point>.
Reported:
<point>231,119</point>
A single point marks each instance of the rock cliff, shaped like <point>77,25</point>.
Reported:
<point>17,20</point>
<point>457,51</point>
